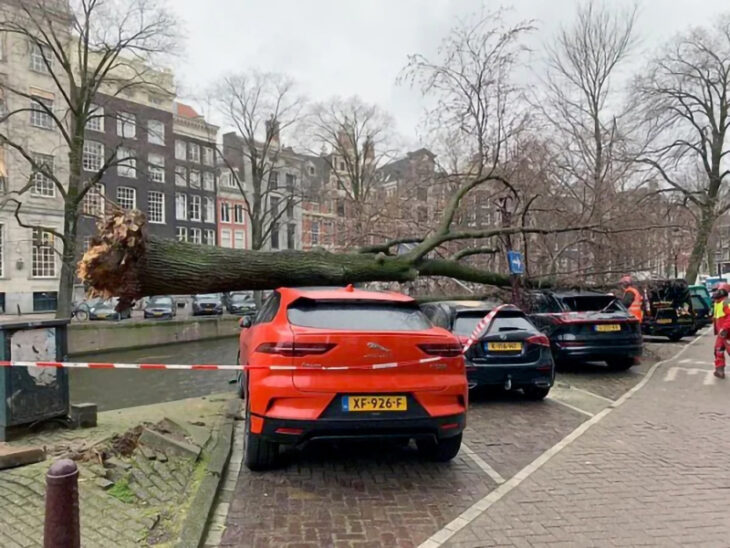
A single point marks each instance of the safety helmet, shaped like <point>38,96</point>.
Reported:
<point>721,291</point>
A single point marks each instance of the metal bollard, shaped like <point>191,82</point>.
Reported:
<point>61,529</point>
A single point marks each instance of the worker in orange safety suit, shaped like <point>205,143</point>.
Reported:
<point>721,321</point>
<point>632,298</point>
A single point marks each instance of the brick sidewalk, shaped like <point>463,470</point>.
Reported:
<point>652,472</point>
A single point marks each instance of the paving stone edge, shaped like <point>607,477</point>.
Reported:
<point>194,527</point>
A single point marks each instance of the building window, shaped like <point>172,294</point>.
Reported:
<point>239,239</point>
<point>193,152</point>
<point>290,182</point>
<point>194,178</point>
<point>209,213</point>
<point>340,208</point>
<point>156,167</point>
<point>86,244</point>
<point>93,202</point>
<point>274,180</point>
<point>290,236</point>
<point>40,110</point>
<point>181,206</point>
<point>208,181</point>
<point>225,212</point>
<point>275,236</point>
<point>93,157</point>
<point>156,132</point>
<point>156,207</point>
<point>126,197</point>
<point>2,272</point>
<point>195,208</point>
<point>290,208</point>
<point>45,301</point>
<point>126,125</point>
<point>181,176</point>
<point>209,236</point>
<point>238,214</point>
<point>315,233</point>
<point>44,254</point>
<point>42,184</point>
<point>95,120</point>
<point>181,150</point>
<point>342,165</point>
<point>311,170</point>
<point>196,235</point>
<point>208,156</point>
<point>41,58</point>
<point>127,166</point>
<point>227,180</point>
<point>225,238</point>
<point>181,233</point>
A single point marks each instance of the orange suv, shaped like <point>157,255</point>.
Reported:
<point>311,353</point>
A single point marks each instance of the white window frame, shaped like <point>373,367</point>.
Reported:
<point>40,117</point>
<point>156,136</point>
<point>226,237</point>
<point>39,52</point>
<point>181,234</point>
<point>181,180</point>
<point>196,235</point>
<point>194,152</point>
<point>127,197</point>
<point>126,125</point>
<point>2,257</point>
<point>315,233</point>
<point>159,204</point>
<point>181,206</point>
<point>209,210</point>
<point>225,212</point>
<point>196,208</point>
<point>94,203</point>
<point>208,156</point>
<point>92,160</point>
<point>128,168</point>
<point>194,178</point>
<point>238,214</point>
<point>43,186</point>
<point>156,167</point>
<point>43,257</point>
<point>181,150</point>
<point>239,236</point>
<point>209,236</point>
<point>208,181</point>
<point>95,122</point>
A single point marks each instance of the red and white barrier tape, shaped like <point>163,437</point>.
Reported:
<point>482,327</point>
<point>211,367</point>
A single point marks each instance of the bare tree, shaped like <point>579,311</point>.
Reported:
<point>260,106</point>
<point>583,113</point>
<point>88,48</point>
<point>685,90</point>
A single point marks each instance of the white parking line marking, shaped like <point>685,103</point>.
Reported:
<point>573,407</point>
<point>481,463</point>
<point>443,535</point>
<point>709,377</point>
<point>604,398</point>
<point>671,373</point>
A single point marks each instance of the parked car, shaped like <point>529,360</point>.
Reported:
<point>161,306</point>
<point>587,326</point>
<point>513,353</point>
<point>240,303</point>
<point>347,327</point>
<point>668,310</point>
<point>100,309</point>
<point>209,303</point>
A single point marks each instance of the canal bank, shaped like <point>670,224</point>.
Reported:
<point>95,337</point>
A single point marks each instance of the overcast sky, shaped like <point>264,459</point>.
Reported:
<point>346,47</point>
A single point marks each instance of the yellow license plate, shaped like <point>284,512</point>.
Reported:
<point>664,320</point>
<point>606,328</point>
<point>374,403</point>
<point>504,346</point>
<point>157,313</point>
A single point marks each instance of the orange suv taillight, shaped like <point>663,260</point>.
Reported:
<point>445,350</point>
<point>294,350</point>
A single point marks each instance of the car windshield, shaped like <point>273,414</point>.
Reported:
<point>592,303</point>
<point>241,298</point>
<point>111,303</point>
<point>357,316</point>
<point>161,301</point>
<point>208,296</point>
<point>465,323</point>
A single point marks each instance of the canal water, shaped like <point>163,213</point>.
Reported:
<point>117,388</point>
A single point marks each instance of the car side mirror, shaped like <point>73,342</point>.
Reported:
<point>245,322</point>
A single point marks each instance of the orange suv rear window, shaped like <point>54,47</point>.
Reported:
<point>352,315</point>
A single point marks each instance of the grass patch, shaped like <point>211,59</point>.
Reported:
<point>121,491</point>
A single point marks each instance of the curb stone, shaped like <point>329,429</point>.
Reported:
<point>195,525</point>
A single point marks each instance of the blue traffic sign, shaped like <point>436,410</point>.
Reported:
<point>516,264</point>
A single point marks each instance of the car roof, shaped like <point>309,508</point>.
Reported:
<point>469,306</point>
<point>578,293</point>
<point>343,293</point>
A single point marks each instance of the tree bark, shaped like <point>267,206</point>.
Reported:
<point>704,229</point>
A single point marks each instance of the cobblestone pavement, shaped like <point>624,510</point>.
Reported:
<point>652,472</point>
<point>147,508</point>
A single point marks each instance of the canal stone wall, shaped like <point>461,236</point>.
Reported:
<point>94,337</point>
